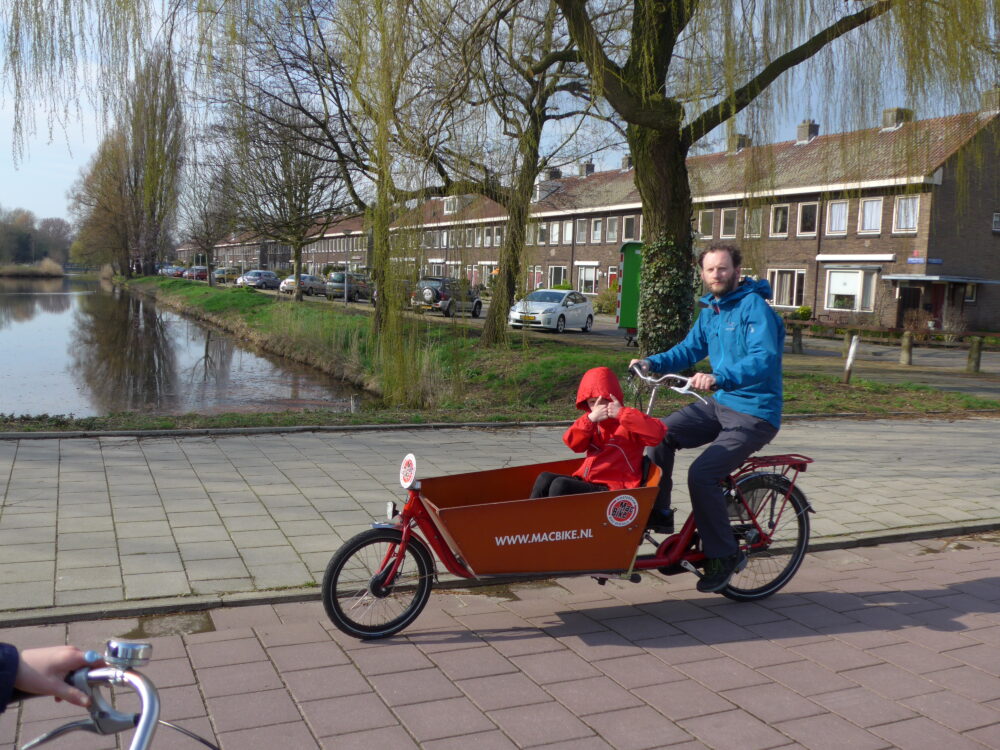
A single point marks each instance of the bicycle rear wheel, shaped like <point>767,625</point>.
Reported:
<point>354,592</point>
<point>770,507</point>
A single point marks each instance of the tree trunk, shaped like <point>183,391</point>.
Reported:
<point>495,330</point>
<point>666,301</point>
<point>297,270</point>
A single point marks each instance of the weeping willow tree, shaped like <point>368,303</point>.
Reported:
<point>686,67</point>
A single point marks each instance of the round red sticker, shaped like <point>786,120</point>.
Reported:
<point>408,470</point>
<point>623,510</point>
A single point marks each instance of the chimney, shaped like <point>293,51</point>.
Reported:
<point>895,117</point>
<point>989,101</point>
<point>627,162</point>
<point>736,142</point>
<point>586,168</point>
<point>553,173</point>
<point>806,131</point>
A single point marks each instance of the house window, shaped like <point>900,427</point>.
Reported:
<point>836,217</point>
<point>444,238</point>
<point>567,232</point>
<point>788,287</point>
<point>851,290</point>
<point>543,233</point>
<point>970,293</point>
<point>808,213</point>
<point>587,279</point>
<point>479,236</point>
<point>596,225</point>
<point>535,277</point>
<point>450,205</point>
<point>554,229</point>
<point>779,221</point>
<point>488,237</point>
<point>469,235</point>
<point>498,236</point>
<point>557,276</point>
<point>612,277</point>
<point>755,220</point>
<point>907,208</point>
<point>705,223</point>
<point>628,228</point>
<point>581,231</point>
<point>529,234</point>
<point>870,216</point>
<point>611,235</point>
<point>437,269</point>
<point>728,223</point>
<point>996,222</point>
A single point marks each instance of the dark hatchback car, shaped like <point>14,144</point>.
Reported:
<point>448,296</point>
<point>358,286</point>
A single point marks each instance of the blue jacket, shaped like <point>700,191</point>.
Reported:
<point>743,338</point>
<point>9,662</point>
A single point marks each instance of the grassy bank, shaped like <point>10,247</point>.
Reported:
<point>44,269</point>
<point>457,381</point>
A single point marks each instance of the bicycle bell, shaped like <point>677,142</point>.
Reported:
<point>127,654</point>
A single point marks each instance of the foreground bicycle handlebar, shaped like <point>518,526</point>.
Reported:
<point>671,380</point>
<point>121,657</point>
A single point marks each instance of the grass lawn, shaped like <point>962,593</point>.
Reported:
<point>535,379</point>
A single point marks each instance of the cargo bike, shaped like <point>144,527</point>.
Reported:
<point>481,525</point>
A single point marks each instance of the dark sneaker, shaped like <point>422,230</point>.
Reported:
<point>719,571</point>
<point>661,521</point>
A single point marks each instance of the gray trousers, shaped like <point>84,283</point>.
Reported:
<point>733,436</point>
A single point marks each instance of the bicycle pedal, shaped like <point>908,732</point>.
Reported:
<point>686,564</point>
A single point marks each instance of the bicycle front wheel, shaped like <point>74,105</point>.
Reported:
<point>355,593</point>
<point>770,520</point>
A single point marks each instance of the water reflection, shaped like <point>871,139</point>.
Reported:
<point>86,351</point>
<point>121,351</point>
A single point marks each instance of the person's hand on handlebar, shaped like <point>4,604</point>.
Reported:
<point>640,364</point>
<point>42,671</point>
<point>702,381</point>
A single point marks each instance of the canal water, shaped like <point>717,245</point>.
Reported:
<point>76,348</point>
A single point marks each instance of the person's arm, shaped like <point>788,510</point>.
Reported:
<point>641,427</point>
<point>764,341</point>
<point>41,671</point>
<point>693,349</point>
<point>580,434</point>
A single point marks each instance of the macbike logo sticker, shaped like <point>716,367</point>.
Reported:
<point>408,470</point>
<point>623,510</point>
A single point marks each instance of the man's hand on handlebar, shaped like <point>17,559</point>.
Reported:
<point>640,364</point>
<point>703,381</point>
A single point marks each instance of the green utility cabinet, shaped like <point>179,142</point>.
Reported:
<point>629,265</point>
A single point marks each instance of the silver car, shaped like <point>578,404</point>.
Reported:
<point>310,284</point>
<point>556,309</point>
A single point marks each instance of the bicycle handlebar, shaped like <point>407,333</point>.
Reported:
<point>671,380</point>
<point>120,656</point>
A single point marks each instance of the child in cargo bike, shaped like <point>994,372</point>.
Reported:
<point>613,436</point>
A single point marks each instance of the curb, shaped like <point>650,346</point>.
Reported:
<point>204,602</point>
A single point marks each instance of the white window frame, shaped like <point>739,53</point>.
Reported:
<point>861,216</point>
<point>709,214</point>
<point>798,283</point>
<point>860,305</point>
<point>554,233</point>
<point>568,231</point>
<point>753,218</point>
<point>799,232</point>
<point>534,274</point>
<point>728,212</point>
<point>498,235</point>
<point>586,276</point>
<point>896,228</point>
<point>626,234</point>
<point>479,236</point>
<point>969,295</point>
<point>611,230</point>
<point>831,230</point>
<point>451,205</point>
<point>596,231</point>
<point>996,221</point>
<point>552,275</point>
<point>488,236</point>
<point>774,212</point>
<point>529,234</point>
<point>543,233</point>
<point>581,231</point>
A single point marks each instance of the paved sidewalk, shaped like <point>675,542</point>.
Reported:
<point>98,525</point>
<point>875,647</point>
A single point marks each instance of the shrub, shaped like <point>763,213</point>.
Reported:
<point>607,301</point>
<point>804,313</point>
<point>564,285</point>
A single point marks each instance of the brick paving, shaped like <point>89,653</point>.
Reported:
<point>569,664</point>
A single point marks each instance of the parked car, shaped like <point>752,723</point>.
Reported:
<point>226,275</point>
<point>557,309</point>
<point>259,279</point>
<point>198,273</point>
<point>358,286</point>
<point>310,284</point>
<point>447,295</point>
<point>178,271</point>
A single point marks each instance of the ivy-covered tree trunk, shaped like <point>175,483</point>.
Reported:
<point>666,281</point>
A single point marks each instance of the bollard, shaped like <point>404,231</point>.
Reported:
<point>796,339</point>
<point>975,354</point>
<point>906,349</point>
<point>852,350</point>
